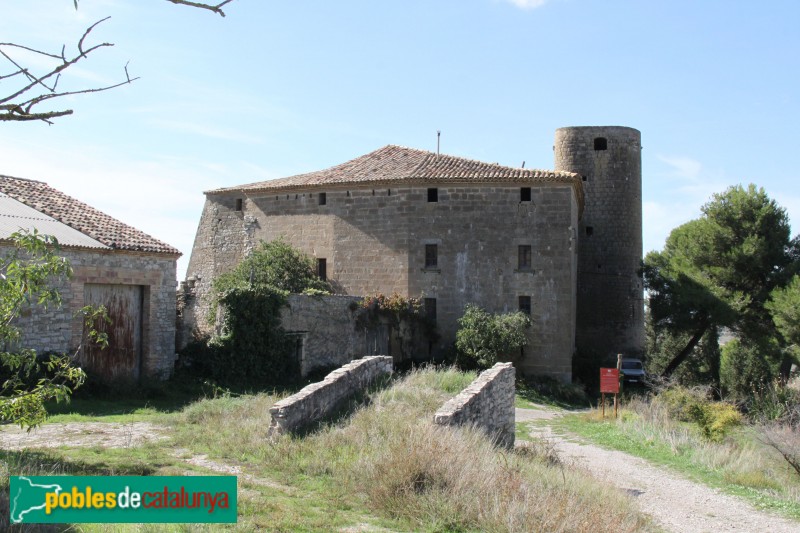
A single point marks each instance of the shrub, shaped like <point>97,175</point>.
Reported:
<point>252,350</point>
<point>484,337</point>
<point>714,419</point>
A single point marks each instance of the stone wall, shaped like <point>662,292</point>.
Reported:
<point>326,330</point>
<point>488,403</point>
<point>59,329</point>
<point>374,239</point>
<point>318,400</point>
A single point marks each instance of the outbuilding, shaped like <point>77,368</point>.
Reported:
<point>129,272</point>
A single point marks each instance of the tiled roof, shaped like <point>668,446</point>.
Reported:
<point>392,164</point>
<point>84,218</point>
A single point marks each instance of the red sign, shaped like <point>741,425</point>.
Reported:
<point>609,380</point>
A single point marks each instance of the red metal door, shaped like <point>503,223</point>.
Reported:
<point>122,359</point>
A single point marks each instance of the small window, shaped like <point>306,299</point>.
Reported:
<point>431,256</point>
<point>524,257</point>
<point>525,194</point>
<point>322,269</point>
<point>430,309</point>
<point>600,143</point>
<point>323,198</point>
<point>585,178</point>
<point>589,231</point>
<point>433,194</point>
<point>238,204</point>
<point>525,304</point>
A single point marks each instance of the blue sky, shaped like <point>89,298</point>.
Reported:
<point>279,88</point>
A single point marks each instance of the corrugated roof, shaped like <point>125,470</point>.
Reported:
<point>392,164</point>
<point>16,216</point>
<point>81,217</point>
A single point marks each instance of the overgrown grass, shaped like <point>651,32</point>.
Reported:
<point>738,463</point>
<point>545,390</point>
<point>389,458</point>
<point>383,464</point>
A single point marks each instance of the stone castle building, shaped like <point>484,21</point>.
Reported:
<point>564,246</point>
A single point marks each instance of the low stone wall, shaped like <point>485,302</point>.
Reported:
<point>488,403</point>
<point>319,399</point>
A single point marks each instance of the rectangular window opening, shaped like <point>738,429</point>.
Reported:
<point>431,256</point>
<point>239,203</point>
<point>433,194</point>
<point>600,143</point>
<point>589,231</point>
<point>322,269</point>
<point>430,308</point>
<point>525,305</point>
<point>323,198</point>
<point>525,194</point>
<point>524,257</point>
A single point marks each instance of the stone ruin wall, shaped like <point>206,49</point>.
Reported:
<point>318,400</point>
<point>487,403</point>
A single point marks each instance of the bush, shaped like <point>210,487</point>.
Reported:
<point>253,351</point>
<point>714,419</point>
<point>484,337</point>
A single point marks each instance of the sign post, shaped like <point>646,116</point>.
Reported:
<point>609,383</point>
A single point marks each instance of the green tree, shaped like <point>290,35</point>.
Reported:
<point>277,265</point>
<point>484,337</point>
<point>720,269</point>
<point>251,349</point>
<point>784,306</point>
<point>27,273</point>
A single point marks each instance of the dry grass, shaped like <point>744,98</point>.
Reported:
<point>388,457</point>
<point>741,458</point>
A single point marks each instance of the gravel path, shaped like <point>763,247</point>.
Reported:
<point>107,435</point>
<point>674,502</point>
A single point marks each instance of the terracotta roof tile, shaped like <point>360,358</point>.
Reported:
<point>82,217</point>
<point>392,164</point>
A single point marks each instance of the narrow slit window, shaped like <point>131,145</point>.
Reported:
<point>431,256</point>
<point>600,143</point>
<point>430,309</point>
<point>524,261</point>
<point>525,304</point>
<point>239,204</point>
<point>433,194</point>
<point>323,198</point>
<point>322,269</point>
<point>525,194</point>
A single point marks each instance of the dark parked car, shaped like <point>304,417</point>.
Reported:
<point>633,371</point>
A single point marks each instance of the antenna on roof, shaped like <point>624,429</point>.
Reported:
<point>438,137</point>
<point>523,164</point>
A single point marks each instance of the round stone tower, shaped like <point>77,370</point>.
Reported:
<point>610,304</point>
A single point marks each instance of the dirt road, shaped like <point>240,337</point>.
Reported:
<point>675,503</point>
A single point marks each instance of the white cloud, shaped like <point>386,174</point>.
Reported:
<point>528,4</point>
<point>682,167</point>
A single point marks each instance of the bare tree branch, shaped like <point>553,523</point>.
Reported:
<point>18,104</point>
<point>215,8</point>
